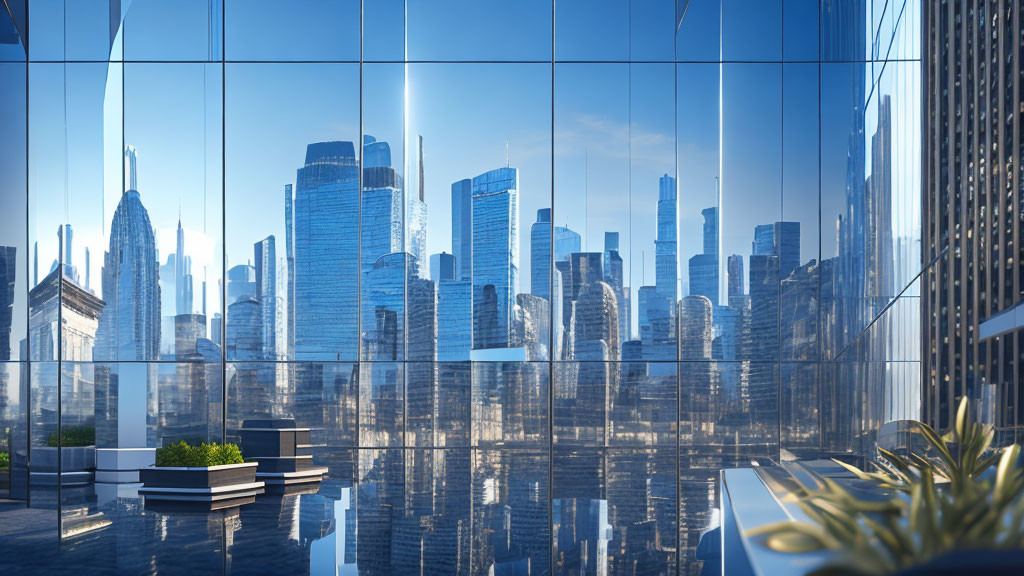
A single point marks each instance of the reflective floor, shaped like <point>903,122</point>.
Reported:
<point>390,511</point>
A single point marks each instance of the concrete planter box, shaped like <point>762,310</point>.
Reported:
<point>283,451</point>
<point>200,488</point>
<point>76,465</point>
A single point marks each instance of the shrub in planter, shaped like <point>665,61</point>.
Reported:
<point>205,454</point>
<point>5,460</point>
<point>73,436</point>
<point>945,507</point>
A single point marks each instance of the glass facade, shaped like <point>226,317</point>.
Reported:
<point>530,273</point>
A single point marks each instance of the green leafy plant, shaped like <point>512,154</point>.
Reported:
<point>937,502</point>
<point>205,454</point>
<point>5,460</point>
<point>73,436</point>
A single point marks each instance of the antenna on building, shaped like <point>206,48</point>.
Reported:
<point>508,156</point>
<point>421,166</point>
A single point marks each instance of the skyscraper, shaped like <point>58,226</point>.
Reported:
<point>696,331</point>
<point>495,255</point>
<point>665,245</point>
<point>737,290</point>
<point>266,297</point>
<point>417,217</point>
<point>462,228</point>
<point>442,267</point>
<point>454,324</point>
<point>326,212</point>
<point>182,276</point>
<point>129,327</point>
<point>614,276</point>
<point>972,298</point>
<point>289,246</point>
<point>566,242</point>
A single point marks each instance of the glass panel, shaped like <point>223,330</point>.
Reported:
<point>14,217</point>
<point>798,298</point>
<point>699,31</point>
<point>382,404</point>
<point>489,159</point>
<point>511,495</point>
<point>510,404</point>
<point>614,511</point>
<point>308,246</point>
<point>309,30</point>
<point>394,265</point>
<point>800,30</point>
<point>13,429</point>
<point>173,184</point>
<point>384,36</point>
<point>184,30</point>
<point>12,28</point>
<point>652,30</point>
<point>750,205</point>
<point>43,410</point>
<point>800,411</point>
<point>592,30</point>
<point>73,30</point>
<point>752,31</point>
<point>75,167</point>
<point>439,397</point>
<point>460,30</point>
<point>844,30</point>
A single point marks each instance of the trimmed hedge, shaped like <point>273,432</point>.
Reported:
<point>73,436</point>
<point>205,454</point>
<point>5,460</point>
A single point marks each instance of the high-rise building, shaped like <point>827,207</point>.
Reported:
<point>495,256</point>
<point>442,267</point>
<point>266,296</point>
<point>972,297</point>
<point>786,238</point>
<point>614,276</point>
<point>462,228</point>
<point>566,242</point>
<point>666,244</point>
<point>454,320</point>
<point>182,276</point>
<point>326,212</point>
<point>696,331</point>
<point>289,246</point>
<point>416,217</point>
<point>129,327</point>
<point>737,290</point>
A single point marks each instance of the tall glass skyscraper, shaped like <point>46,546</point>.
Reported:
<point>665,246</point>
<point>326,212</point>
<point>495,256</point>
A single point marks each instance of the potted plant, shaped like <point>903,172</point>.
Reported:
<point>956,506</point>
<point>77,458</point>
<point>208,476</point>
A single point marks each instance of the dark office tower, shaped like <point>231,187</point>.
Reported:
<point>326,212</point>
<point>266,296</point>
<point>462,228</point>
<point>442,267</point>
<point>666,244</point>
<point>8,274</point>
<point>129,327</point>
<point>710,230</point>
<point>696,331</point>
<point>614,276</point>
<point>289,246</point>
<point>972,298</point>
<point>182,276</point>
<point>577,270</point>
<point>764,240</point>
<point>495,254</point>
<point>737,291</point>
<point>540,255</point>
<point>786,245</point>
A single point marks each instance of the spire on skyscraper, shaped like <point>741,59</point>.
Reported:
<point>130,182</point>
